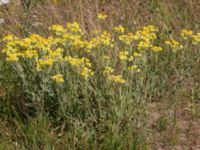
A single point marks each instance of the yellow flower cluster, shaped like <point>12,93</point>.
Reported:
<point>123,55</point>
<point>83,65</point>
<point>196,38</point>
<point>31,54</point>
<point>175,45</point>
<point>70,46</point>
<point>86,72</point>
<point>45,52</point>
<point>127,38</point>
<point>190,34</point>
<point>109,73</point>
<point>58,78</point>
<point>9,37</point>
<point>119,29</point>
<point>74,27</point>
<point>130,59</point>
<point>116,79</point>
<point>103,39</point>
<point>134,68</point>
<point>102,16</point>
<point>186,33</point>
<point>136,54</point>
<point>147,35</point>
<point>75,61</point>
<point>144,45</point>
<point>13,57</point>
<point>157,48</point>
<point>57,29</point>
<point>41,63</point>
<point>143,38</point>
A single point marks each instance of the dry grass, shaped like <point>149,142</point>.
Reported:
<point>167,14</point>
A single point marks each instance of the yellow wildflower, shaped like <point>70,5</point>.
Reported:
<point>44,62</point>
<point>196,38</point>
<point>144,45</point>
<point>9,38</point>
<point>186,33</point>
<point>157,48</point>
<point>30,54</point>
<point>116,79</point>
<point>56,53</point>
<point>127,39</point>
<point>175,45</point>
<point>13,57</point>
<point>133,67</point>
<point>73,61</point>
<point>123,55</point>
<point>77,61</point>
<point>136,54</point>
<point>102,16</point>
<point>147,33</point>
<point>57,29</point>
<point>150,28</point>
<point>86,72</point>
<point>58,78</point>
<point>108,71</point>
<point>130,58</point>
<point>9,50</point>
<point>119,29</point>
<point>78,43</point>
<point>103,39</point>
<point>74,27</point>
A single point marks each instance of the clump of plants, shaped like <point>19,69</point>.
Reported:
<point>97,85</point>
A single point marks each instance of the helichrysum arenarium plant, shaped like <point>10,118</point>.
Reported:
<point>97,82</point>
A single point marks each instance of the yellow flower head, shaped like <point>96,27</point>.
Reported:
<point>108,71</point>
<point>123,55</point>
<point>116,79</point>
<point>102,16</point>
<point>57,30</point>
<point>78,62</point>
<point>150,28</point>
<point>41,63</point>
<point>56,54</point>
<point>86,72</point>
<point>133,67</point>
<point>127,38</point>
<point>144,45</point>
<point>119,29</point>
<point>196,38</point>
<point>175,45</point>
<point>136,54</point>
<point>9,38</point>
<point>58,78</point>
<point>157,48</point>
<point>186,33</point>
<point>30,54</point>
<point>13,57</point>
<point>74,27</point>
